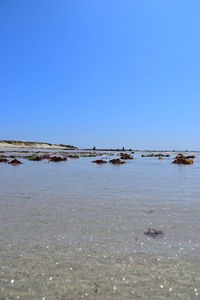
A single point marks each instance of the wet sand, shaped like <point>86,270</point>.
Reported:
<point>74,230</point>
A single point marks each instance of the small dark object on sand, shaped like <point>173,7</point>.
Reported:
<point>15,162</point>
<point>96,287</point>
<point>117,161</point>
<point>149,211</point>
<point>153,232</point>
<point>125,156</point>
<point>57,158</point>
<point>99,161</point>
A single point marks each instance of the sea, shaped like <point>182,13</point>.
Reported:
<point>76,230</point>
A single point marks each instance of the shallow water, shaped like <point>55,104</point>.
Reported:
<point>74,229</point>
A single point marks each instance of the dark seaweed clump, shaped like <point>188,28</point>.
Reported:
<point>57,158</point>
<point>180,159</point>
<point>117,161</point>
<point>190,156</point>
<point>37,157</point>
<point>100,161</point>
<point>155,155</point>
<point>15,162</point>
<point>153,232</point>
<point>125,156</point>
<point>3,159</point>
<point>73,156</point>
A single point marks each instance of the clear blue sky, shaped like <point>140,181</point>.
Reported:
<point>107,73</point>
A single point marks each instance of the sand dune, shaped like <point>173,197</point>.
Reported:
<point>37,145</point>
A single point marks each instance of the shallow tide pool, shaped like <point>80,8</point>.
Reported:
<point>74,230</point>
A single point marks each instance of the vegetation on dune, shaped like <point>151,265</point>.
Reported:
<point>22,143</point>
<point>25,143</point>
<point>67,146</point>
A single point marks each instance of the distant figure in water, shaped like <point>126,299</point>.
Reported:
<point>94,148</point>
